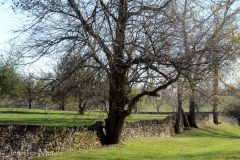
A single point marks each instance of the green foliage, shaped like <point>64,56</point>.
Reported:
<point>208,142</point>
<point>9,80</point>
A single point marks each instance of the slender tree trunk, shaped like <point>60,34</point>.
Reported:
<point>104,107</point>
<point>179,100</point>
<point>136,109</point>
<point>158,109</point>
<point>82,106</point>
<point>185,121</point>
<point>30,104</point>
<point>192,113</point>
<point>215,93</point>
<point>62,106</point>
<point>192,107</point>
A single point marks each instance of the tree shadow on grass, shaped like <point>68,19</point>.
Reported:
<point>212,132</point>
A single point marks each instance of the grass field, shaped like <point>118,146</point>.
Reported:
<point>60,118</point>
<point>167,107</point>
<point>209,142</point>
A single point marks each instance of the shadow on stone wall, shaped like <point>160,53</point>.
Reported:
<point>26,141</point>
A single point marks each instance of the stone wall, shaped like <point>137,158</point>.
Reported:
<point>149,128</point>
<point>230,120</point>
<point>26,141</point>
<point>206,118</point>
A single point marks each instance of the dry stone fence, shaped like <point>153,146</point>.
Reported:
<point>26,141</point>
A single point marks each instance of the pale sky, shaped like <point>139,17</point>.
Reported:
<point>10,21</point>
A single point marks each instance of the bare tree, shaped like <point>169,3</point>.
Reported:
<point>206,34</point>
<point>80,83</point>
<point>133,42</point>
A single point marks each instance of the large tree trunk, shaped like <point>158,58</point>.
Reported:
<point>116,116</point>
<point>114,128</point>
<point>117,80</point>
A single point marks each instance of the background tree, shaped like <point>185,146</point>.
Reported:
<point>9,83</point>
<point>81,83</point>
<point>204,33</point>
<point>30,90</point>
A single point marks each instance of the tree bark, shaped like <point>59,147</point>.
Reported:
<point>30,104</point>
<point>62,106</point>
<point>117,80</point>
<point>192,113</point>
<point>178,121</point>
<point>158,108</point>
<point>192,106</point>
<point>117,101</point>
<point>179,99</point>
<point>185,121</point>
<point>116,116</point>
<point>114,128</point>
<point>215,115</point>
<point>82,106</point>
<point>215,91</point>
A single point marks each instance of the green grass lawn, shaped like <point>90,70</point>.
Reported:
<point>61,118</point>
<point>208,142</point>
